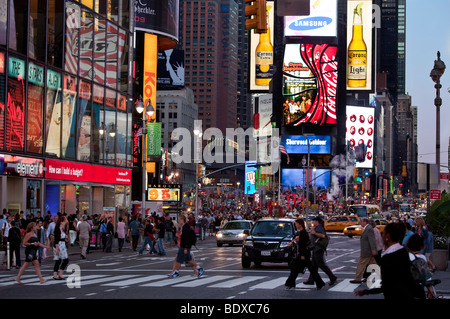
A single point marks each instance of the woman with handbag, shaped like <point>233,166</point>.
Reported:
<point>61,256</point>
<point>302,259</point>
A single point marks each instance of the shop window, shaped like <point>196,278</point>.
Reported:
<point>99,51</point>
<point>55,32</point>
<point>125,14</point>
<point>15,107</point>
<point>36,35</point>
<point>53,114</point>
<point>111,55</point>
<point>35,99</point>
<point>98,123</point>
<point>3,22</point>
<point>18,22</point>
<point>110,9</point>
<point>69,113</point>
<point>86,41</point>
<point>73,20</point>
<point>84,122</point>
<point>121,134</point>
<point>111,127</point>
<point>123,60</point>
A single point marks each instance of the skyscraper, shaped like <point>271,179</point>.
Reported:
<point>209,37</point>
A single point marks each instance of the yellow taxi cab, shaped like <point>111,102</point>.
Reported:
<point>339,223</point>
<point>356,230</point>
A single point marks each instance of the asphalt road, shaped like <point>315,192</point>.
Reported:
<point>126,275</point>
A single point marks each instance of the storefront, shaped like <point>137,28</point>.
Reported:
<point>72,187</point>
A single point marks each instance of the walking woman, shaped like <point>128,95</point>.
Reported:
<point>31,243</point>
<point>303,258</point>
<point>61,257</point>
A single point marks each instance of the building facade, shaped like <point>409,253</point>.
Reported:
<point>65,118</point>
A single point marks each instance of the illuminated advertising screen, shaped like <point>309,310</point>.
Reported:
<point>250,178</point>
<point>71,171</point>
<point>170,68</point>
<point>299,177</point>
<point>322,21</point>
<point>261,54</point>
<point>359,45</point>
<point>15,111</point>
<point>309,84</point>
<point>21,166</point>
<point>360,132</point>
<point>298,144</point>
<point>164,193</point>
<point>158,17</point>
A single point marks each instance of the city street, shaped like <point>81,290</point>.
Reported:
<point>127,275</point>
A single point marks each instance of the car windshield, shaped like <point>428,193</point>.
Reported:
<point>237,225</point>
<point>272,228</point>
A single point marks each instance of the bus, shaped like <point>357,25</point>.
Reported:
<point>365,210</point>
<point>406,208</point>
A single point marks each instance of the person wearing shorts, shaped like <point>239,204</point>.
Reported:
<point>184,251</point>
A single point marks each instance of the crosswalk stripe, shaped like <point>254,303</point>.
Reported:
<point>100,280</point>
<point>344,286</point>
<point>236,282</point>
<point>51,281</point>
<point>271,284</point>
<point>166,282</point>
<point>202,281</point>
<point>134,280</point>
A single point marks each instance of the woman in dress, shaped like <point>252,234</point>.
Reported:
<point>31,243</point>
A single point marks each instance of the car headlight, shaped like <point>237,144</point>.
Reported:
<point>284,244</point>
<point>248,243</point>
<point>219,235</point>
<point>241,235</point>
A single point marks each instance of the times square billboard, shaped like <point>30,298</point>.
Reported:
<point>310,79</point>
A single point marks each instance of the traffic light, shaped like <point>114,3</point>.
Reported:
<point>355,173</point>
<point>257,13</point>
<point>404,173</point>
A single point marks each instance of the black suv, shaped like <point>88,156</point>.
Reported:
<point>269,240</point>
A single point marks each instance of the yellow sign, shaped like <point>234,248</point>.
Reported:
<point>150,68</point>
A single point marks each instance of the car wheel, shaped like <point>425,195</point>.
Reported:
<point>219,245</point>
<point>350,236</point>
<point>257,263</point>
<point>246,262</point>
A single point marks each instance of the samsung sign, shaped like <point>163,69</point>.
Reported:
<point>322,21</point>
<point>298,144</point>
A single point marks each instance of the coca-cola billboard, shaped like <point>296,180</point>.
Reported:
<point>309,84</point>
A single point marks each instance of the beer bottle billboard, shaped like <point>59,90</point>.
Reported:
<point>359,62</point>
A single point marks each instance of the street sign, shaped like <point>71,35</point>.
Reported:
<point>435,194</point>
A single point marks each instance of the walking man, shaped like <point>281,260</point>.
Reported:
<point>368,250</point>
<point>85,234</point>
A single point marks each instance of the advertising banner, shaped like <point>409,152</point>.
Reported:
<point>309,84</point>
<point>158,17</point>
<point>321,22</point>
<point>360,133</point>
<point>170,68</point>
<point>166,193</point>
<point>150,70</point>
<point>261,54</point>
<point>359,45</point>
<point>262,105</point>
<point>298,144</point>
<point>71,171</point>
<point>21,166</point>
<point>154,139</point>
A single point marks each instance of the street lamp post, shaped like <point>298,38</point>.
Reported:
<point>198,133</point>
<point>149,110</point>
<point>436,73</point>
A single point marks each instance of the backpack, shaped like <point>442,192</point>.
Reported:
<point>323,242</point>
<point>103,228</point>
<point>419,270</point>
<point>168,225</point>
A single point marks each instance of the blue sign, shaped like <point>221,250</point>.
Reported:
<point>298,144</point>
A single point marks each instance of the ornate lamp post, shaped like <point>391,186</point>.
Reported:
<point>436,73</point>
<point>149,110</point>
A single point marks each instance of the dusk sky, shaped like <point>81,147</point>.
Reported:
<point>428,31</point>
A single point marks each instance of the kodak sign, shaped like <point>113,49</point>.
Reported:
<point>150,67</point>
